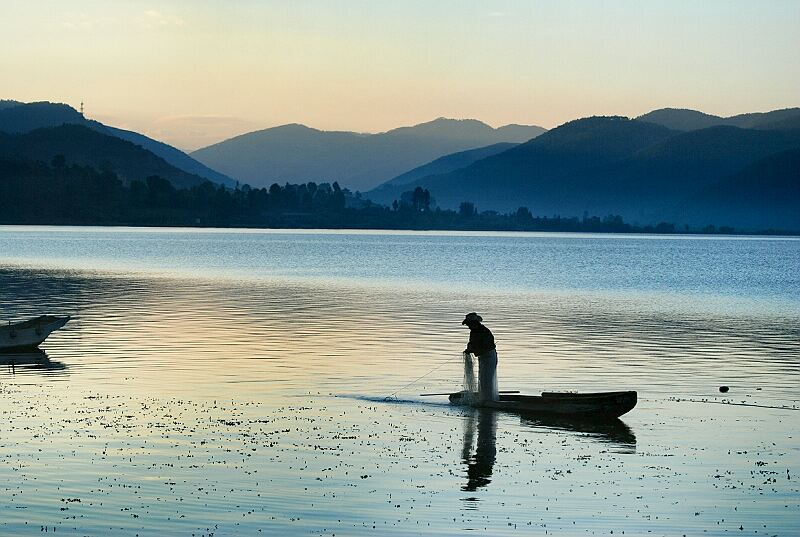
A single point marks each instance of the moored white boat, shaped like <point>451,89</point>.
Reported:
<point>29,334</point>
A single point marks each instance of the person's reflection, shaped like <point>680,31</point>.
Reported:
<point>479,466</point>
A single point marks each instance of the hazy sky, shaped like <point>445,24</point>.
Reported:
<point>192,72</point>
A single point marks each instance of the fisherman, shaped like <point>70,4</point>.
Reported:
<point>481,344</point>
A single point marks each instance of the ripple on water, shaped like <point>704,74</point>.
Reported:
<point>206,405</point>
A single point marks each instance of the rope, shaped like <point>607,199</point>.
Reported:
<point>394,393</point>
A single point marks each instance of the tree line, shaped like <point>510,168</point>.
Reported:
<point>33,192</point>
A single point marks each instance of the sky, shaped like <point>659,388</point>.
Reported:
<point>194,72</point>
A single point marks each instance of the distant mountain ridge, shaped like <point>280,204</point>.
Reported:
<point>502,180</point>
<point>683,119</point>
<point>9,103</point>
<point>449,163</point>
<point>670,165</point>
<point>84,146</point>
<point>296,153</point>
<point>640,170</point>
<point>21,118</point>
<point>768,186</point>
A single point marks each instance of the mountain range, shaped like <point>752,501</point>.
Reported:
<point>448,163</point>
<point>297,153</point>
<point>768,189</point>
<point>682,119</point>
<point>85,146</point>
<point>669,165</point>
<point>22,118</point>
<point>641,170</point>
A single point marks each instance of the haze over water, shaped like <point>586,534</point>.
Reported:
<point>231,382</point>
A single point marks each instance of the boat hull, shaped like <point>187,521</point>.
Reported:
<point>604,405</point>
<point>29,334</point>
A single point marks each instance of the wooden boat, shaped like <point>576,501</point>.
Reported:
<point>29,334</point>
<point>603,405</point>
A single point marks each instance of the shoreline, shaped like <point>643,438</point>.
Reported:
<point>468,230</point>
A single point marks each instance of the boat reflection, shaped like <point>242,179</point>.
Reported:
<point>479,457</point>
<point>35,361</point>
<point>614,432</point>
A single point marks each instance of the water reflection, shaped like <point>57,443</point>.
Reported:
<point>480,462</point>
<point>479,458</point>
<point>211,330</point>
<point>35,361</point>
<point>185,393</point>
<point>614,431</point>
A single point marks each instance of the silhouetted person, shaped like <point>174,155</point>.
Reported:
<point>481,344</point>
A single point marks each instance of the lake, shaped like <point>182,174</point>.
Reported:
<point>243,382</point>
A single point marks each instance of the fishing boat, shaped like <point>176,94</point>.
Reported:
<point>602,405</point>
<point>29,334</point>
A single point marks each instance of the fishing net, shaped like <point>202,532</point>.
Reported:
<point>470,385</point>
<point>495,394</point>
<point>483,388</point>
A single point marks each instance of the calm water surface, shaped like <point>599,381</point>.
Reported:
<point>234,383</point>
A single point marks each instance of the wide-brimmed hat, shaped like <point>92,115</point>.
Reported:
<point>472,318</point>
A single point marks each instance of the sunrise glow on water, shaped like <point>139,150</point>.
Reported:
<point>204,396</point>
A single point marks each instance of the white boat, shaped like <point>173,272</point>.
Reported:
<point>29,334</point>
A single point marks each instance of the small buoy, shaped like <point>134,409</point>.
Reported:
<point>723,389</point>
